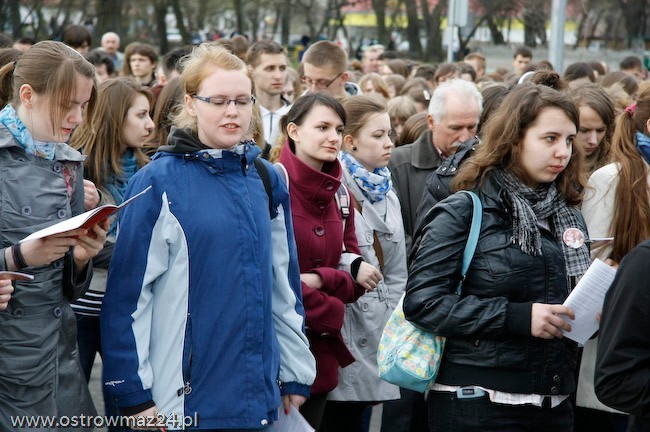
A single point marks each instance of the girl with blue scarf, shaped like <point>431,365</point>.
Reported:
<point>48,90</point>
<point>367,146</point>
<point>112,140</point>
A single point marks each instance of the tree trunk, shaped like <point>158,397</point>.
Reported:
<point>379,6</point>
<point>495,32</point>
<point>636,17</point>
<point>180,23</point>
<point>413,28</point>
<point>109,17</point>
<point>202,10</point>
<point>286,22</point>
<point>239,14</point>
<point>160,12</point>
<point>432,20</point>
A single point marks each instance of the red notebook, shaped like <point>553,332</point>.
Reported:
<point>84,220</point>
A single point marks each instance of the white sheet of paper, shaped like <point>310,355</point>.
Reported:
<point>292,422</point>
<point>586,301</point>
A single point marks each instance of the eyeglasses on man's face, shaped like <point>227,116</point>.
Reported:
<point>321,84</point>
<point>222,102</point>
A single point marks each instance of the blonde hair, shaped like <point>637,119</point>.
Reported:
<point>201,63</point>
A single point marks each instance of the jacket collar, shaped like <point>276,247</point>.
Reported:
<point>424,155</point>
<point>183,142</point>
<point>312,184</point>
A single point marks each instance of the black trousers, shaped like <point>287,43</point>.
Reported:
<point>447,413</point>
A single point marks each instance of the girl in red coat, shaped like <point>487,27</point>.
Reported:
<point>333,272</point>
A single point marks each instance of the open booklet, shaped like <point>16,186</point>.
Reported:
<point>586,300</point>
<point>84,220</point>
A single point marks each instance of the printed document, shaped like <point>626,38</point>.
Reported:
<point>292,422</point>
<point>586,301</point>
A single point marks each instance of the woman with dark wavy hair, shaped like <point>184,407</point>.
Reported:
<point>506,364</point>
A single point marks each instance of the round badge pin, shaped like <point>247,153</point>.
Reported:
<point>573,238</point>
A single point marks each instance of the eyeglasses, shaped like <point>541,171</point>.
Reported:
<point>321,84</point>
<point>223,102</point>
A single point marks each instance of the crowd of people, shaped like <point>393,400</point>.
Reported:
<point>284,212</point>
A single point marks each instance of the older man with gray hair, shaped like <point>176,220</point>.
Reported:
<point>110,43</point>
<point>454,112</point>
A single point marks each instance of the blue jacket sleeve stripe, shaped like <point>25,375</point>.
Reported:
<point>297,364</point>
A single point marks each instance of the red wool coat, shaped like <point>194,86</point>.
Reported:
<point>318,226</point>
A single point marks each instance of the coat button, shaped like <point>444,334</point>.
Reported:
<point>318,262</point>
<point>27,210</point>
<point>58,264</point>
<point>19,312</point>
<point>363,342</point>
<point>321,204</point>
<point>555,390</point>
<point>369,237</point>
<point>389,236</point>
<point>320,231</point>
<point>61,213</point>
<point>324,334</point>
<point>556,378</point>
<point>329,185</point>
<point>364,307</point>
<point>206,155</point>
<point>264,422</point>
<point>57,167</point>
<point>57,312</point>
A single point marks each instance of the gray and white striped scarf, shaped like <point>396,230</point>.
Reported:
<point>528,206</point>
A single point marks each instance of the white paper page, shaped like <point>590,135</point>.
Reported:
<point>292,422</point>
<point>586,301</point>
<point>61,227</point>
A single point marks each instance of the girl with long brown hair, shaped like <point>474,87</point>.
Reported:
<point>506,364</point>
<point>617,202</point>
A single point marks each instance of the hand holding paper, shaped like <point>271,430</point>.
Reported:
<point>6,288</point>
<point>586,301</point>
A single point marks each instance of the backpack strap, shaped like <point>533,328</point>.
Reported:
<point>264,175</point>
<point>283,172</point>
<point>343,202</point>
<point>375,243</point>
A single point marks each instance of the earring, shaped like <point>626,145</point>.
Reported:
<point>354,148</point>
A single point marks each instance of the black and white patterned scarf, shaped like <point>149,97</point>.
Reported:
<point>528,206</point>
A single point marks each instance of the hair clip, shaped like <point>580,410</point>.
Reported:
<point>631,109</point>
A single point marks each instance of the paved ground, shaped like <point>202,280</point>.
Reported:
<point>95,390</point>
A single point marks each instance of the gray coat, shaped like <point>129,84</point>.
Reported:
<point>365,319</point>
<point>411,165</point>
<point>40,372</point>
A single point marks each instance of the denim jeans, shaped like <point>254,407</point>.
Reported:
<point>447,413</point>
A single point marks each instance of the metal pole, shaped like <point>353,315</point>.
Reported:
<point>451,26</point>
<point>556,44</point>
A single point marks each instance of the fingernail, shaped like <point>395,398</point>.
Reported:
<point>286,411</point>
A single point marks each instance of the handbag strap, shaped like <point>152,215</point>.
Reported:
<point>472,238</point>
<point>375,244</point>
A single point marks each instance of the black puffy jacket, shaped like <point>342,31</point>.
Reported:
<point>489,325</point>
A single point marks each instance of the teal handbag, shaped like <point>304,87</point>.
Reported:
<point>410,357</point>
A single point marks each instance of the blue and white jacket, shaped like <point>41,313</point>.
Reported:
<point>203,311</point>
